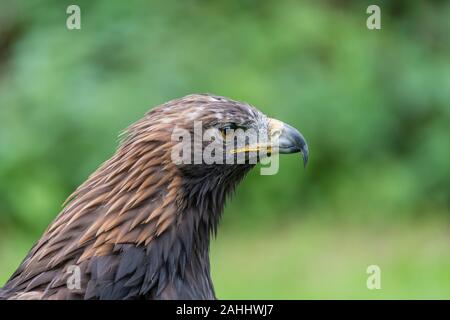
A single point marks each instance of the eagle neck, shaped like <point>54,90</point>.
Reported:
<point>188,241</point>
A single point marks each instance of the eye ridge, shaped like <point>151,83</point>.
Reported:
<point>231,126</point>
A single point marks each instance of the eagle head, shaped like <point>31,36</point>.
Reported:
<point>206,144</point>
<point>139,226</point>
<point>212,136</point>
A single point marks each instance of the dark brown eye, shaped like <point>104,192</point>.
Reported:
<point>228,128</point>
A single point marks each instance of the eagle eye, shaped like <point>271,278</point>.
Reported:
<point>229,127</point>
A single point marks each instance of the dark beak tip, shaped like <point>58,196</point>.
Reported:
<point>305,155</point>
<point>293,141</point>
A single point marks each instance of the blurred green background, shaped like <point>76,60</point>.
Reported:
<point>374,106</point>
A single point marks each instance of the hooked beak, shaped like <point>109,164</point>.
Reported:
<point>290,140</point>
<point>284,139</point>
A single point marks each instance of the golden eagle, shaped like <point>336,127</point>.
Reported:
<point>140,226</point>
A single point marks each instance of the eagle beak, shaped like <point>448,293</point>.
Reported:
<point>284,139</point>
<point>290,140</point>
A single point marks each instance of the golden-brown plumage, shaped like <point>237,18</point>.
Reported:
<point>139,226</point>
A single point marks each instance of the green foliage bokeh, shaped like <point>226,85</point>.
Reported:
<point>374,105</point>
